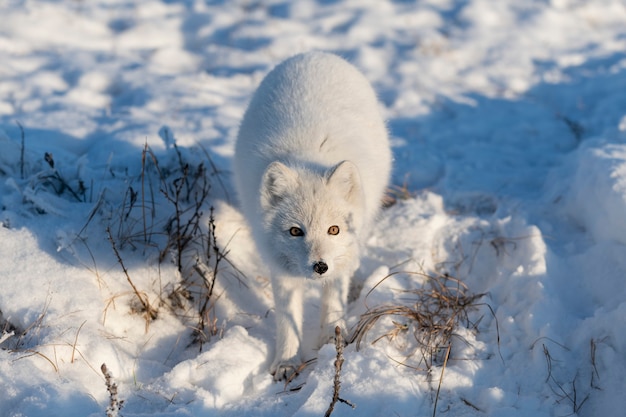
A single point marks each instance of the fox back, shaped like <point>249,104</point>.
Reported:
<point>312,161</point>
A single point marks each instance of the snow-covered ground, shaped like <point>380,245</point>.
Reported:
<point>508,122</point>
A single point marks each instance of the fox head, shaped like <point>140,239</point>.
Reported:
<point>311,221</point>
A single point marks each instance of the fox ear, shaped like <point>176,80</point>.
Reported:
<point>277,181</point>
<point>346,180</point>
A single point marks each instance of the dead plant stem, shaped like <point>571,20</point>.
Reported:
<point>337,379</point>
<point>76,341</point>
<point>146,305</point>
<point>443,369</point>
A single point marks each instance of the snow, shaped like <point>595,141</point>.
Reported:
<point>508,125</point>
<point>599,199</point>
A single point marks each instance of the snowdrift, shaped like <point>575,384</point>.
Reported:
<point>122,243</point>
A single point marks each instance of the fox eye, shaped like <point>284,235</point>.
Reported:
<point>296,231</point>
<point>333,230</point>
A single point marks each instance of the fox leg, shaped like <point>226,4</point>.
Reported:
<point>333,308</point>
<point>288,298</point>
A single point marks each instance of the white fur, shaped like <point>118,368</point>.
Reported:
<point>312,153</point>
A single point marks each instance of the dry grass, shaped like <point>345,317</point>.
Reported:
<point>150,313</point>
<point>431,315</point>
<point>166,212</point>
<point>427,323</point>
<point>570,390</point>
<point>397,193</point>
<point>26,341</point>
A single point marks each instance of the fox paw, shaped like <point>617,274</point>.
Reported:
<point>286,371</point>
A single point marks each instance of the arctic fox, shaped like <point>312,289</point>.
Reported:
<point>312,161</point>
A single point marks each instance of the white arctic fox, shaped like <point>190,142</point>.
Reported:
<point>312,161</point>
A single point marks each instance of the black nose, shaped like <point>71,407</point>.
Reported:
<point>320,267</point>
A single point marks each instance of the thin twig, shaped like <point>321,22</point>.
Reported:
<point>115,405</point>
<point>23,135</point>
<point>76,341</point>
<point>36,353</point>
<point>150,312</point>
<point>216,172</point>
<point>445,363</point>
<point>143,191</point>
<point>212,250</point>
<point>337,379</point>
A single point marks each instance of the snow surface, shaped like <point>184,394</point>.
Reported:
<point>508,123</point>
